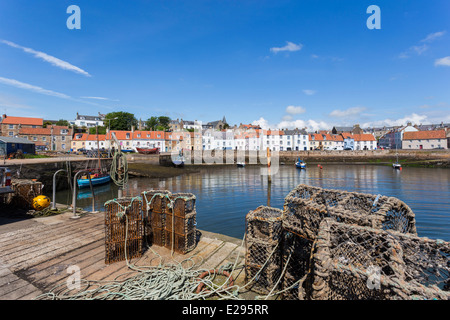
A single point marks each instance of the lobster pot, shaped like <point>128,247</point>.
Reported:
<point>181,225</point>
<point>263,280</point>
<point>156,201</point>
<point>263,249</point>
<point>24,192</point>
<point>358,263</point>
<point>124,230</point>
<point>304,210</point>
<point>182,243</point>
<point>182,204</point>
<point>296,252</point>
<point>427,266</point>
<point>154,204</point>
<point>156,236</point>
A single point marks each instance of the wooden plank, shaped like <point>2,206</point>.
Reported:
<point>219,256</point>
<point>58,265</point>
<point>24,240</point>
<point>49,252</point>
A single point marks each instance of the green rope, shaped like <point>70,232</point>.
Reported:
<point>119,173</point>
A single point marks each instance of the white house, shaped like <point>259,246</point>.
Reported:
<point>149,139</point>
<point>88,121</point>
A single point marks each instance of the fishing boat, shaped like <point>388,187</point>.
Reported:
<point>96,179</point>
<point>148,150</point>
<point>97,175</point>
<point>300,164</point>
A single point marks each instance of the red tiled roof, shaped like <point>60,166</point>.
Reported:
<point>44,131</point>
<point>23,120</point>
<point>364,137</point>
<point>419,135</point>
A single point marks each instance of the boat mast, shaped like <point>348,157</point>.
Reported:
<point>98,150</point>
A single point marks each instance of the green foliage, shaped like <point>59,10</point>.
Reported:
<point>101,130</point>
<point>120,120</point>
<point>157,123</point>
<point>62,122</point>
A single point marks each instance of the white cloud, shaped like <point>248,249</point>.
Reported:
<point>99,98</point>
<point>309,92</point>
<point>48,58</point>
<point>295,110</point>
<point>433,36</point>
<point>290,46</point>
<point>443,62</point>
<point>414,118</point>
<point>350,112</point>
<point>420,49</point>
<point>26,86</point>
<point>311,125</point>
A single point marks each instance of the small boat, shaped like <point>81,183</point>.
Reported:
<point>300,164</point>
<point>97,176</point>
<point>396,165</point>
<point>148,150</point>
<point>127,150</point>
<point>96,179</point>
<point>241,164</point>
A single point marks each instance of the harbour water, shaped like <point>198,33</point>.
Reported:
<point>226,194</point>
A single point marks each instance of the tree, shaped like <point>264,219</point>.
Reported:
<point>164,122</point>
<point>62,122</point>
<point>157,123</point>
<point>152,123</point>
<point>120,120</point>
<point>101,130</point>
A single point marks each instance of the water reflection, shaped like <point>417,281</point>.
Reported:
<point>225,195</point>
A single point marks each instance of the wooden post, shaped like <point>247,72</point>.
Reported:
<point>269,178</point>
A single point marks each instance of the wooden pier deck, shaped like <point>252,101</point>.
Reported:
<point>36,253</point>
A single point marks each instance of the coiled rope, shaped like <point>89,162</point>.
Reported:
<point>119,169</point>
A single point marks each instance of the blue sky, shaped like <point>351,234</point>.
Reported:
<point>276,63</point>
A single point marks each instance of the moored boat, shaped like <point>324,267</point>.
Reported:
<point>148,150</point>
<point>300,164</point>
<point>241,164</point>
<point>96,179</point>
<point>396,165</point>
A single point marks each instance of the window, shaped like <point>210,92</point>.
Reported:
<point>11,133</point>
<point>34,138</point>
<point>11,126</point>
<point>63,146</point>
<point>63,138</point>
<point>43,138</point>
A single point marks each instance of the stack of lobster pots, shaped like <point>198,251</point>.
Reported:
<point>180,224</point>
<point>170,219</point>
